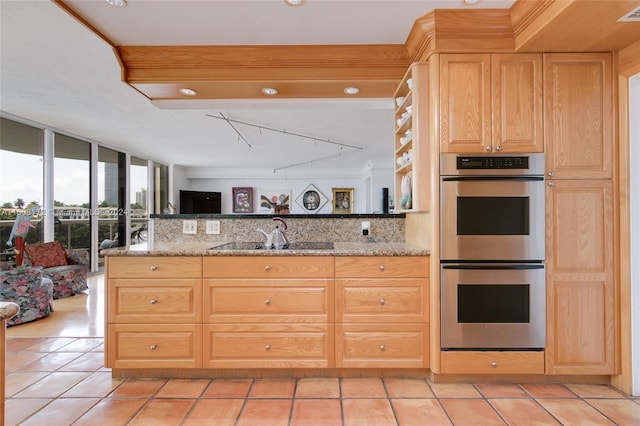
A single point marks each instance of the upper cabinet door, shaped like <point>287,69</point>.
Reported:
<point>517,102</point>
<point>465,103</point>
<point>578,115</point>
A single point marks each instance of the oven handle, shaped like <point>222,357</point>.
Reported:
<point>492,178</point>
<point>495,267</point>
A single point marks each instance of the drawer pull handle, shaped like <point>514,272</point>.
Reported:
<point>153,301</point>
<point>551,184</point>
<point>381,347</point>
<point>267,268</point>
<point>153,347</point>
<point>267,301</point>
<point>153,267</point>
<point>381,301</point>
<point>381,268</point>
<point>494,364</point>
<point>267,347</point>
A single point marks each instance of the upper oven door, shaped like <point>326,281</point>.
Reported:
<point>492,218</point>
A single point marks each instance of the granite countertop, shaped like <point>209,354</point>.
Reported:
<point>7,310</point>
<point>208,249</point>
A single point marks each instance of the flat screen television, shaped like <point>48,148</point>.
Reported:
<point>195,202</point>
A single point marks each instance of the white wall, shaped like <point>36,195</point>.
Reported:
<point>295,181</point>
<point>178,180</point>
<point>634,158</point>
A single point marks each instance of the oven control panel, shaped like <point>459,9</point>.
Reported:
<point>452,164</point>
<point>474,163</point>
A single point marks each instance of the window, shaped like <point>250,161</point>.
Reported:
<point>161,189</point>
<point>21,177</point>
<point>72,202</point>
<point>107,177</point>
<point>138,179</point>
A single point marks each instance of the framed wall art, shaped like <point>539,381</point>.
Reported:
<point>275,201</point>
<point>311,199</point>
<point>242,199</point>
<point>342,200</point>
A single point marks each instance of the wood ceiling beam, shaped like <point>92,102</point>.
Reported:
<point>297,71</point>
<point>227,72</point>
<point>573,25</point>
<point>310,56</point>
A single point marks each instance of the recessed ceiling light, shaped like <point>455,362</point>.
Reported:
<point>117,3</point>
<point>351,90</point>
<point>294,2</point>
<point>468,2</point>
<point>188,92</point>
<point>269,91</point>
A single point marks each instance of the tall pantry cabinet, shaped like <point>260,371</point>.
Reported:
<point>580,217</point>
<point>557,103</point>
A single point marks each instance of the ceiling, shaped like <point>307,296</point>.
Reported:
<point>61,67</point>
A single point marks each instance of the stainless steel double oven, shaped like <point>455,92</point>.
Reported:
<point>492,252</point>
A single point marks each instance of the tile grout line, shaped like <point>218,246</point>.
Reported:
<point>386,391</point>
<point>244,401</point>
<point>486,400</point>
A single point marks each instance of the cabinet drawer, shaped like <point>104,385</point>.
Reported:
<point>492,362</point>
<point>154,267</point>
<point>382,266</point>
<point>268,267</point>
<point>148,301</point>
<point>382,345</point>
<point>390,300</point>
<point>268,345</point>
<point>247,301</point>
<point>154,346</point>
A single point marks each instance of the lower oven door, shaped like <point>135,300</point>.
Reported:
<point>492,306</point>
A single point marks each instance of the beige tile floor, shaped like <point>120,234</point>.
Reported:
<point>55,376</point>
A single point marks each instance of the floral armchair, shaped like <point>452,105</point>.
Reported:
<point>26,287</point>
<point>66,268</point>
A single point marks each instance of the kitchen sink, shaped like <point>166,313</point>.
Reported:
<point>301,245</point>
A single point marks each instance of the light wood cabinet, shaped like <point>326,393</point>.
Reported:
<point>382,345</point>
<point>154,312</point>
<point>516,84</point>
<point>169,300</point>
<point>580,284</point>
<point>155,267</point>
<point>382,311</point>
<point>268,300</point>
<point>465,102</point>
<point>492,362</point>
<point>578,115</point>
<point>268,345</point>
<point>382,267</point>
<point>268,267</point>
<point>268,311</point>
<point>580,221</point>
<point>411,145</point>
<point>153,346</point>
<point>491,103</point>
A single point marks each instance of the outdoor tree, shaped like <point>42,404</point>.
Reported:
<point>19,203</point>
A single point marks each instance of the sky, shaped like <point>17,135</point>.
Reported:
<point>21,177</point>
